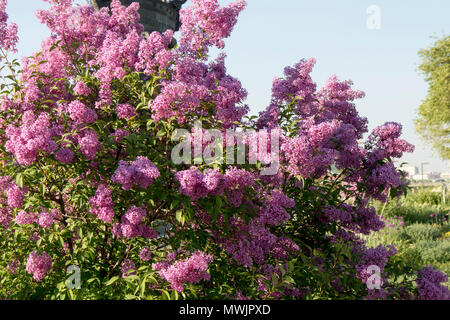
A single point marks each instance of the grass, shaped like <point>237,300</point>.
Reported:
<point>418,226</point>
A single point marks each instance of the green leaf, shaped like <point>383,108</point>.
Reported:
<point>19,180</point>
<point>111,281</point>
<point>180,217</point>
<point>165,294</point>
<point>161,133</point>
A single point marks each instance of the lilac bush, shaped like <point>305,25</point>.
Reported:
<point>87,176</point>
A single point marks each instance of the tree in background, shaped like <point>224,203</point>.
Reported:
<point>434,113</point>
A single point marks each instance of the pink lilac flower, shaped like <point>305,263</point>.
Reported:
<point>34,135</point>
<point>141,172</point>
<point>372,257</point>
<point>13,266</point>
<point>132,225</point>
<point>134,215</point>
<point>80,113</point>
<point>119,135</point>
<point>45,219</point>
<point>102,205</point>
<point>125,111</point>
<point>214,181</point>
<point>90,145</point>
<point>145,254</point>
<point>24,218</point>
<point>206,23</point>
<point>8,33</point>
<point>6,217</point>
<point>64,155</point>
<point>38,265</point>
<point>15,195</point>
<point>237,181</point>
<point>129,230</point>
<point>154,53</point>
<point>253,242</point>
<point>35,237</point>
<point>191,183</point>
<point>81,89</point>
<point>274,211</point>
<point>191,270</point>
<point>195,83</point>
<point>429,285</point>
<point>297,83</point>
<point>127,266</point>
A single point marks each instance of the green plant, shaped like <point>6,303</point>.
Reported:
<point>418,232</point>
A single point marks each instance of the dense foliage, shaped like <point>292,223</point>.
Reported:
<point>88,177</point>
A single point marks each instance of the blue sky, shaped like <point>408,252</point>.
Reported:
<point>272,34</point>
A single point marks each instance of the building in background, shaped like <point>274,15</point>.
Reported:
<point>419,177</point>
<point>410,170</point>
<point>156,15</point>
<point>445,175</point>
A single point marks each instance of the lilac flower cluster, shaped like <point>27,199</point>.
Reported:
<point>196,185</point>
<point>80,114</point>
<point>329,126</point>
<point>46,219</point>
<point>89,144</point>
<point>38,265</point>
<point>297,83</point>
<point>191,270</point>
<point>15,195</point>
<point>387,138</point>
<point>33,136</point>
<point>127,267</point>
<point>6,216</point>
<point>360,219</point>
<point>154,53</point>
<point>81,89</point>
<point>8,32</point>
<point>194,82</point>
<point>141,172</point>
<point>23,218</point>
<point>237,182</point>
<point>125,111</point>
<point>254,242</point>
<point>64,155</point>
<point>102,204</point>
<point>206,23</point>
<point>119,135</point>
<point>145,254</point>
<point>429,285</point>
<point>132,225</point>
<point>13,266</point>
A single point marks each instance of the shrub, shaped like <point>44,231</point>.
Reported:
<point>90,126</point>
<point>424,196</point>
<point>435,252</point>
<point>419,232</point>
<point>411,213</point>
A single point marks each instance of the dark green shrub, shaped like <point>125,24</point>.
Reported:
<point>420,232</point>
<point>435,252</point>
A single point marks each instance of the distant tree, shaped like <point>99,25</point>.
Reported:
<point>433,122</point>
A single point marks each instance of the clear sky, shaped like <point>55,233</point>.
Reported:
<point>272,34</point>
